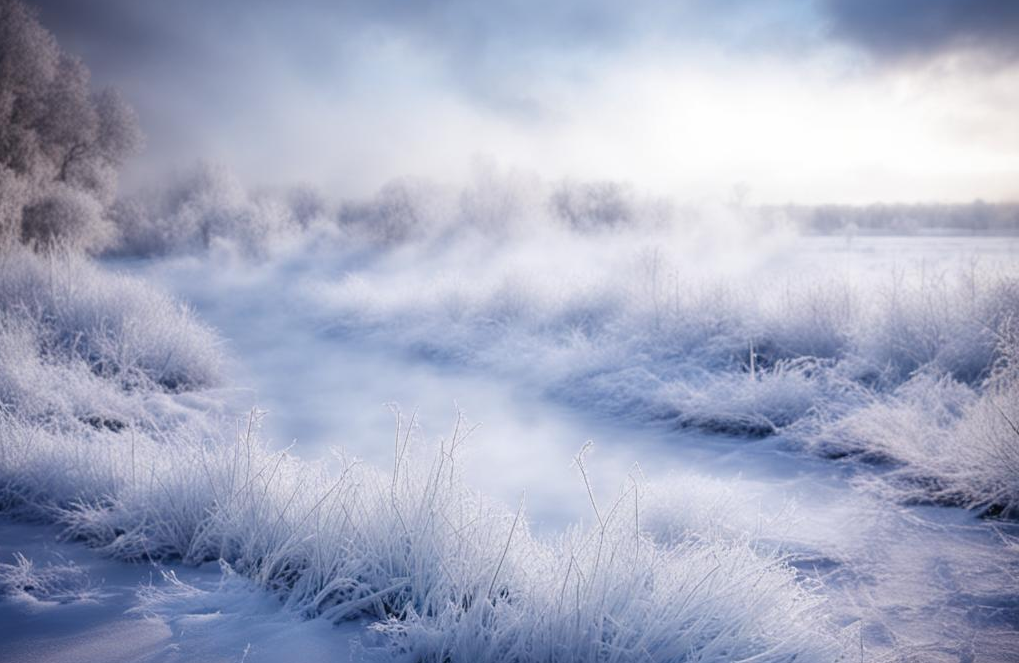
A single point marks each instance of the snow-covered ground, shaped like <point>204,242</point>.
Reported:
<point>331,397</point>
<point>934,579</point>
<point>117,612</point>
<point>934,582</point>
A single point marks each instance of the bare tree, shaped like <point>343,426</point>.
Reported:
<point>61,143</point>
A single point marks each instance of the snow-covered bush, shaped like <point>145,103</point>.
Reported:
<point>206,206</point>
<point>42,386</point>
<point>66,215</point>
<point>593,206</point>
<point>401,211</point>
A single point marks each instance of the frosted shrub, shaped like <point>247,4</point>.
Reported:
<point>815,320</point>
<point>206,206</point>
<point>948,441</point>
<point>497,204</point>
<point>947,325</point>
<point>900,427</point>
<point>69,216</point>
<point>120,327</point>
<point>989,437</point>
<point>41,386</point>
<point>593,206</point>
<point>401,211</point>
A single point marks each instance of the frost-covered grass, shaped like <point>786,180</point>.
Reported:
<point>756,336</point>
<point>631,326</point>
<point>65,310</point>
<point>896,365</point>
<point>948,441</point>
<point>706,317</point>
<point>443,574</point>
<point>439,571</point>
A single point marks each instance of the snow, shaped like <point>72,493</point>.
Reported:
<point>126,619</point>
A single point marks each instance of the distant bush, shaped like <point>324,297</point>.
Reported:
<point>588,206</point>
<point>977,217</point>
<point>400,212</point>
<point>206,206</point>
<point>209,205</point>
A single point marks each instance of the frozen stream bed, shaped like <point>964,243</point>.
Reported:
<point>927,580</point>
<point>933,583</point>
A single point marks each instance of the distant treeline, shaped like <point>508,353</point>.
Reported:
<point>977,217</point>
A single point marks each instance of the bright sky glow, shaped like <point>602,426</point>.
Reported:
<point>806,102</point>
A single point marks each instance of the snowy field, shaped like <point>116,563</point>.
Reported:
<point>900,572</point>
<point>937,582</point>
<point>709,355</point>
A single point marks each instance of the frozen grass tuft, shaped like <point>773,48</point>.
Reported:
<point>119,327</point>
<point>54,583</point>
<point>948,442</point>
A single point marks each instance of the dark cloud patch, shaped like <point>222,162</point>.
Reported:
<point>489,52</point>
<point>224,54</point>
<point>894,30</point>
<point>483,36</point>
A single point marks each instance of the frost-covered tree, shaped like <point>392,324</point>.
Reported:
<point>61,143</point>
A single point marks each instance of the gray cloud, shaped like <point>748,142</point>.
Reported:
<point>207,75</point>
<point>920,29</point>
<point>356,92</point>
<point>476,41</point>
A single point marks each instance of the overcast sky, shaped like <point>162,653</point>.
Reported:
<point>802,100</point>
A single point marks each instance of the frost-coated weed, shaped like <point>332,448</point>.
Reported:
<point>442,573</point>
